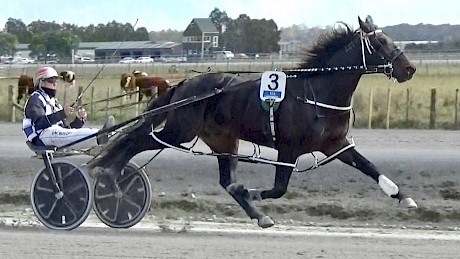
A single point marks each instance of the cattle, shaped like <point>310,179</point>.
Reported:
<point>26,84</point>
<point>147,84</point>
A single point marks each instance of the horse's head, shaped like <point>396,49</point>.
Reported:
<point>379,49</point>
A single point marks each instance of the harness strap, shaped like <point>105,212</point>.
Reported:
<point>272,119</point>
<point>333,107</point>
<point>327,159</point>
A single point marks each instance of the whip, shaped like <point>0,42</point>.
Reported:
<point>100,70</point>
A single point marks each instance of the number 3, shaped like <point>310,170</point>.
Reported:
<point>274,78</point>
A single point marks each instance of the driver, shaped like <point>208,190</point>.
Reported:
<point>45,120</point>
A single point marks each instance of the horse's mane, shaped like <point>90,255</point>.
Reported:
<point>327,44</point>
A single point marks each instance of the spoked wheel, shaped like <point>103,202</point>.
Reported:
<point>122,199</point>
<point>65,209</point>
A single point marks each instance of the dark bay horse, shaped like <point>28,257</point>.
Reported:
<point>147,84</point>
<point>26,84</point>
<point>314,115</point>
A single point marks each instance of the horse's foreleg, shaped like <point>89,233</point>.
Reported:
<point>227,167</point>
<point>355,159</point>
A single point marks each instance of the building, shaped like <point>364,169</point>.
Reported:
<point>200,38</point>
<point>114,51</point>
<point>110,51</point>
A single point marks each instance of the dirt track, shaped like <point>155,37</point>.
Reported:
<point>342,213</point>
<point>424,163</point>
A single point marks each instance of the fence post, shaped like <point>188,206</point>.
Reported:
<point>92,101</point>
<point>456,110</point>
<point>369,118</point>
<point>433,108</point>
<point>80,90</point>
<point>154,91</point>
<point>64,98</point>
<point>11,108</point>
<point>388,108</point>
<point>107,102</point>
<point>122,99</point>
<point>407,106</point>
<point>137,99</point>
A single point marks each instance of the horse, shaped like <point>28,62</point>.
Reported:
<point>147,84</point>
<point>26,84</point>
<point>313,116</point>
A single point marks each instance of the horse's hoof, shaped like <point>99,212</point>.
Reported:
<point>265,222</point>
<point>408,203</point>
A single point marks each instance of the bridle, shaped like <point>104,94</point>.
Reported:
<point>371,44</point>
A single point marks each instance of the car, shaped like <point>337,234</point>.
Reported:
<point>144,60</point>
<point>23,61</point>
<point>171,59</point>
<point>127,60</point>
<point>86,60</point>
<point>241,56</point>
<point>225,54</point>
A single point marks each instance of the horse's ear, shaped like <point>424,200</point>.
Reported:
<point>365,27</point>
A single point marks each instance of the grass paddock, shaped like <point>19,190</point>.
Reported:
<point>410,102</point>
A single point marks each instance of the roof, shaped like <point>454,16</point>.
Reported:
<point>204,24</point>
<point>135,45</point>
<point>120,45</point>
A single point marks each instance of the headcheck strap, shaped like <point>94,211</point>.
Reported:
<point>366,44</point>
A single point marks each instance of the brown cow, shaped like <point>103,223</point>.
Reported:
<point>147,84</point>
<point>26,84</point>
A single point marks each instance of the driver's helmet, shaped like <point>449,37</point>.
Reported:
<point>44,73</point>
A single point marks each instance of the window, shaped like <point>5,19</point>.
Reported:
<point>215,41</point>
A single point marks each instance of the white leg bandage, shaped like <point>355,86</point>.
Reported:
<point>388,186</point>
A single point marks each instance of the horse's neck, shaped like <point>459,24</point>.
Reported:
<point>339,86</point>
<point>334,89</point>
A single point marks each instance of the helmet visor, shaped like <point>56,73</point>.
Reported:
<point>51,80</point>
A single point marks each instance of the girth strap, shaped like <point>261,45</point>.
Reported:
<point>271,106</point>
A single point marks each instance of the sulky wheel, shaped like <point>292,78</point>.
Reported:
<point>68,207</point>
<point>121,200</point>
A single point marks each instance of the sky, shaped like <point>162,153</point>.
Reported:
<point>157,15</point>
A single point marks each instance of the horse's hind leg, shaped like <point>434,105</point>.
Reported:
<point>227,167</point>
<point>355,159</point>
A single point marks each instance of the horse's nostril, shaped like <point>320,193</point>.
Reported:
<point>410,70</point>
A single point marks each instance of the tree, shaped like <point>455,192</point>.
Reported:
<point>252,35</point>
<point>59,43</point>
<point>19,29</point>
<point>8,44</point>
<point>43,26</point>
<point>168,35</point>
<point>220,20</point>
